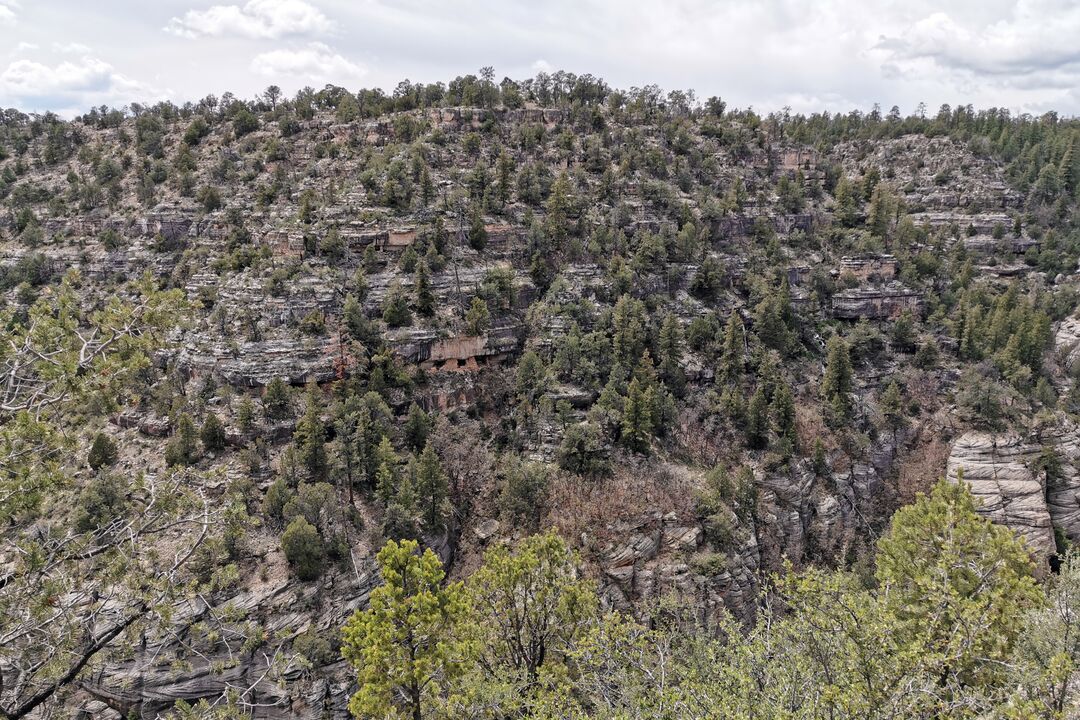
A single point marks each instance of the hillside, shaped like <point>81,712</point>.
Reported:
<point>695,341</point>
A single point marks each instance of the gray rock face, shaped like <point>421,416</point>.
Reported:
<point>252,364</point>
<point>875,303</point>
<point>1063,480</point>
<point>999,471</point>
<point>161,671</point>
<point>1067,341</point>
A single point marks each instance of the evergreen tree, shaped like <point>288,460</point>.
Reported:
<point>277,405</point>
<point>103,452</point>
<point>478,317</point>
<point>425,299</point>
<point>733,351</point>
<point>310,438</point>
<point>757,421</point>
<point>386,474</point>
<point>847,203</point>
<point>532,606</point>
<point>212,434</point>
<point>304,548</point>
<point>783,414</point>
<point>478,235</point>
<point>838,382</point>
<point>417,427</point>
<point>954,584</point>
<point>637,420</point>
<point>183,449</point>
<point>671,356</point>
<point>409,645</point>
<point>892,408</point>
<point>396,307</point>
<point>903,332</point>
<point>879,218</point>
<point>430,483</point>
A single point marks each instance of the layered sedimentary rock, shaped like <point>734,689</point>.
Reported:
<point>999,469</point>
<point>1067,341</point>
<point>875,303</point>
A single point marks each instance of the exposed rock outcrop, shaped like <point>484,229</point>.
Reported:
<point>999,469</point>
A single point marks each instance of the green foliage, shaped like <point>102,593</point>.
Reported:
<point>523,490</point>
<point>276,400</point>
<point>103,452</point>
<point>531,606</point>
<point>583,450</point>
<point>637,417</point>
<point>396,308</point>
<point>304,549</point>
<point>478,317</point>
<point>953,585</point>
<point>212,434</point>
<point>183,449</point>
<point>410,644</point>
<point>101,502</point>
<point>310,437</point>
<point>431,490</point>
<point>838,381</point>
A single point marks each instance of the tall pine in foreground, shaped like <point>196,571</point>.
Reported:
<point>409,645</point>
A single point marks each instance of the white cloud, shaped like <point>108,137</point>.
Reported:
<point>7,15</point>
<point>69,88</point>
<point>315,63</point>
<point>262,19</point>
<point>1034,43</point>
<point>71,48</point>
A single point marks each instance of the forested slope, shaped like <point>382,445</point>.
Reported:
<point>248,342</point>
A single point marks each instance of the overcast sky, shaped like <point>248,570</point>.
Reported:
<point>69,55</point>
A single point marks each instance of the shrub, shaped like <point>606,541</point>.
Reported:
<point>102,453</point>
<point>304,549</point>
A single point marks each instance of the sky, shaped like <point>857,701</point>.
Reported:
<point>809,55</point>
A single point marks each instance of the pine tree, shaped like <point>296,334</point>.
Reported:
<point>1069,168</point>
<point>183,448</point>
<point>881,211</point>
<point>504,170</point>
<point>102,453</point>
<point>386,474</point>
<point>245,416</point>
<point>955,585</point>
<point>478,236</point>
<point>212,434</point>
<point>427,187</point>
<point>275,401</point>
<point>417,427</point>
<point>478,317</point>
<point>637,421</point>
<point>409,645</point>
<point>396,307</point>
<point>757,421</point>
<point>671,356</point>
<point>838,383</point>
<point>733,351</point>
<point>430,483</point>
<point>847,204</point>
<point>783,414</point>
<point>304,548</point>
<point>892,408</point>
<point>425,300</point>
<point>310,438</point>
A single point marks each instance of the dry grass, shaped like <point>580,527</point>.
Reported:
<point>580,507</point>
